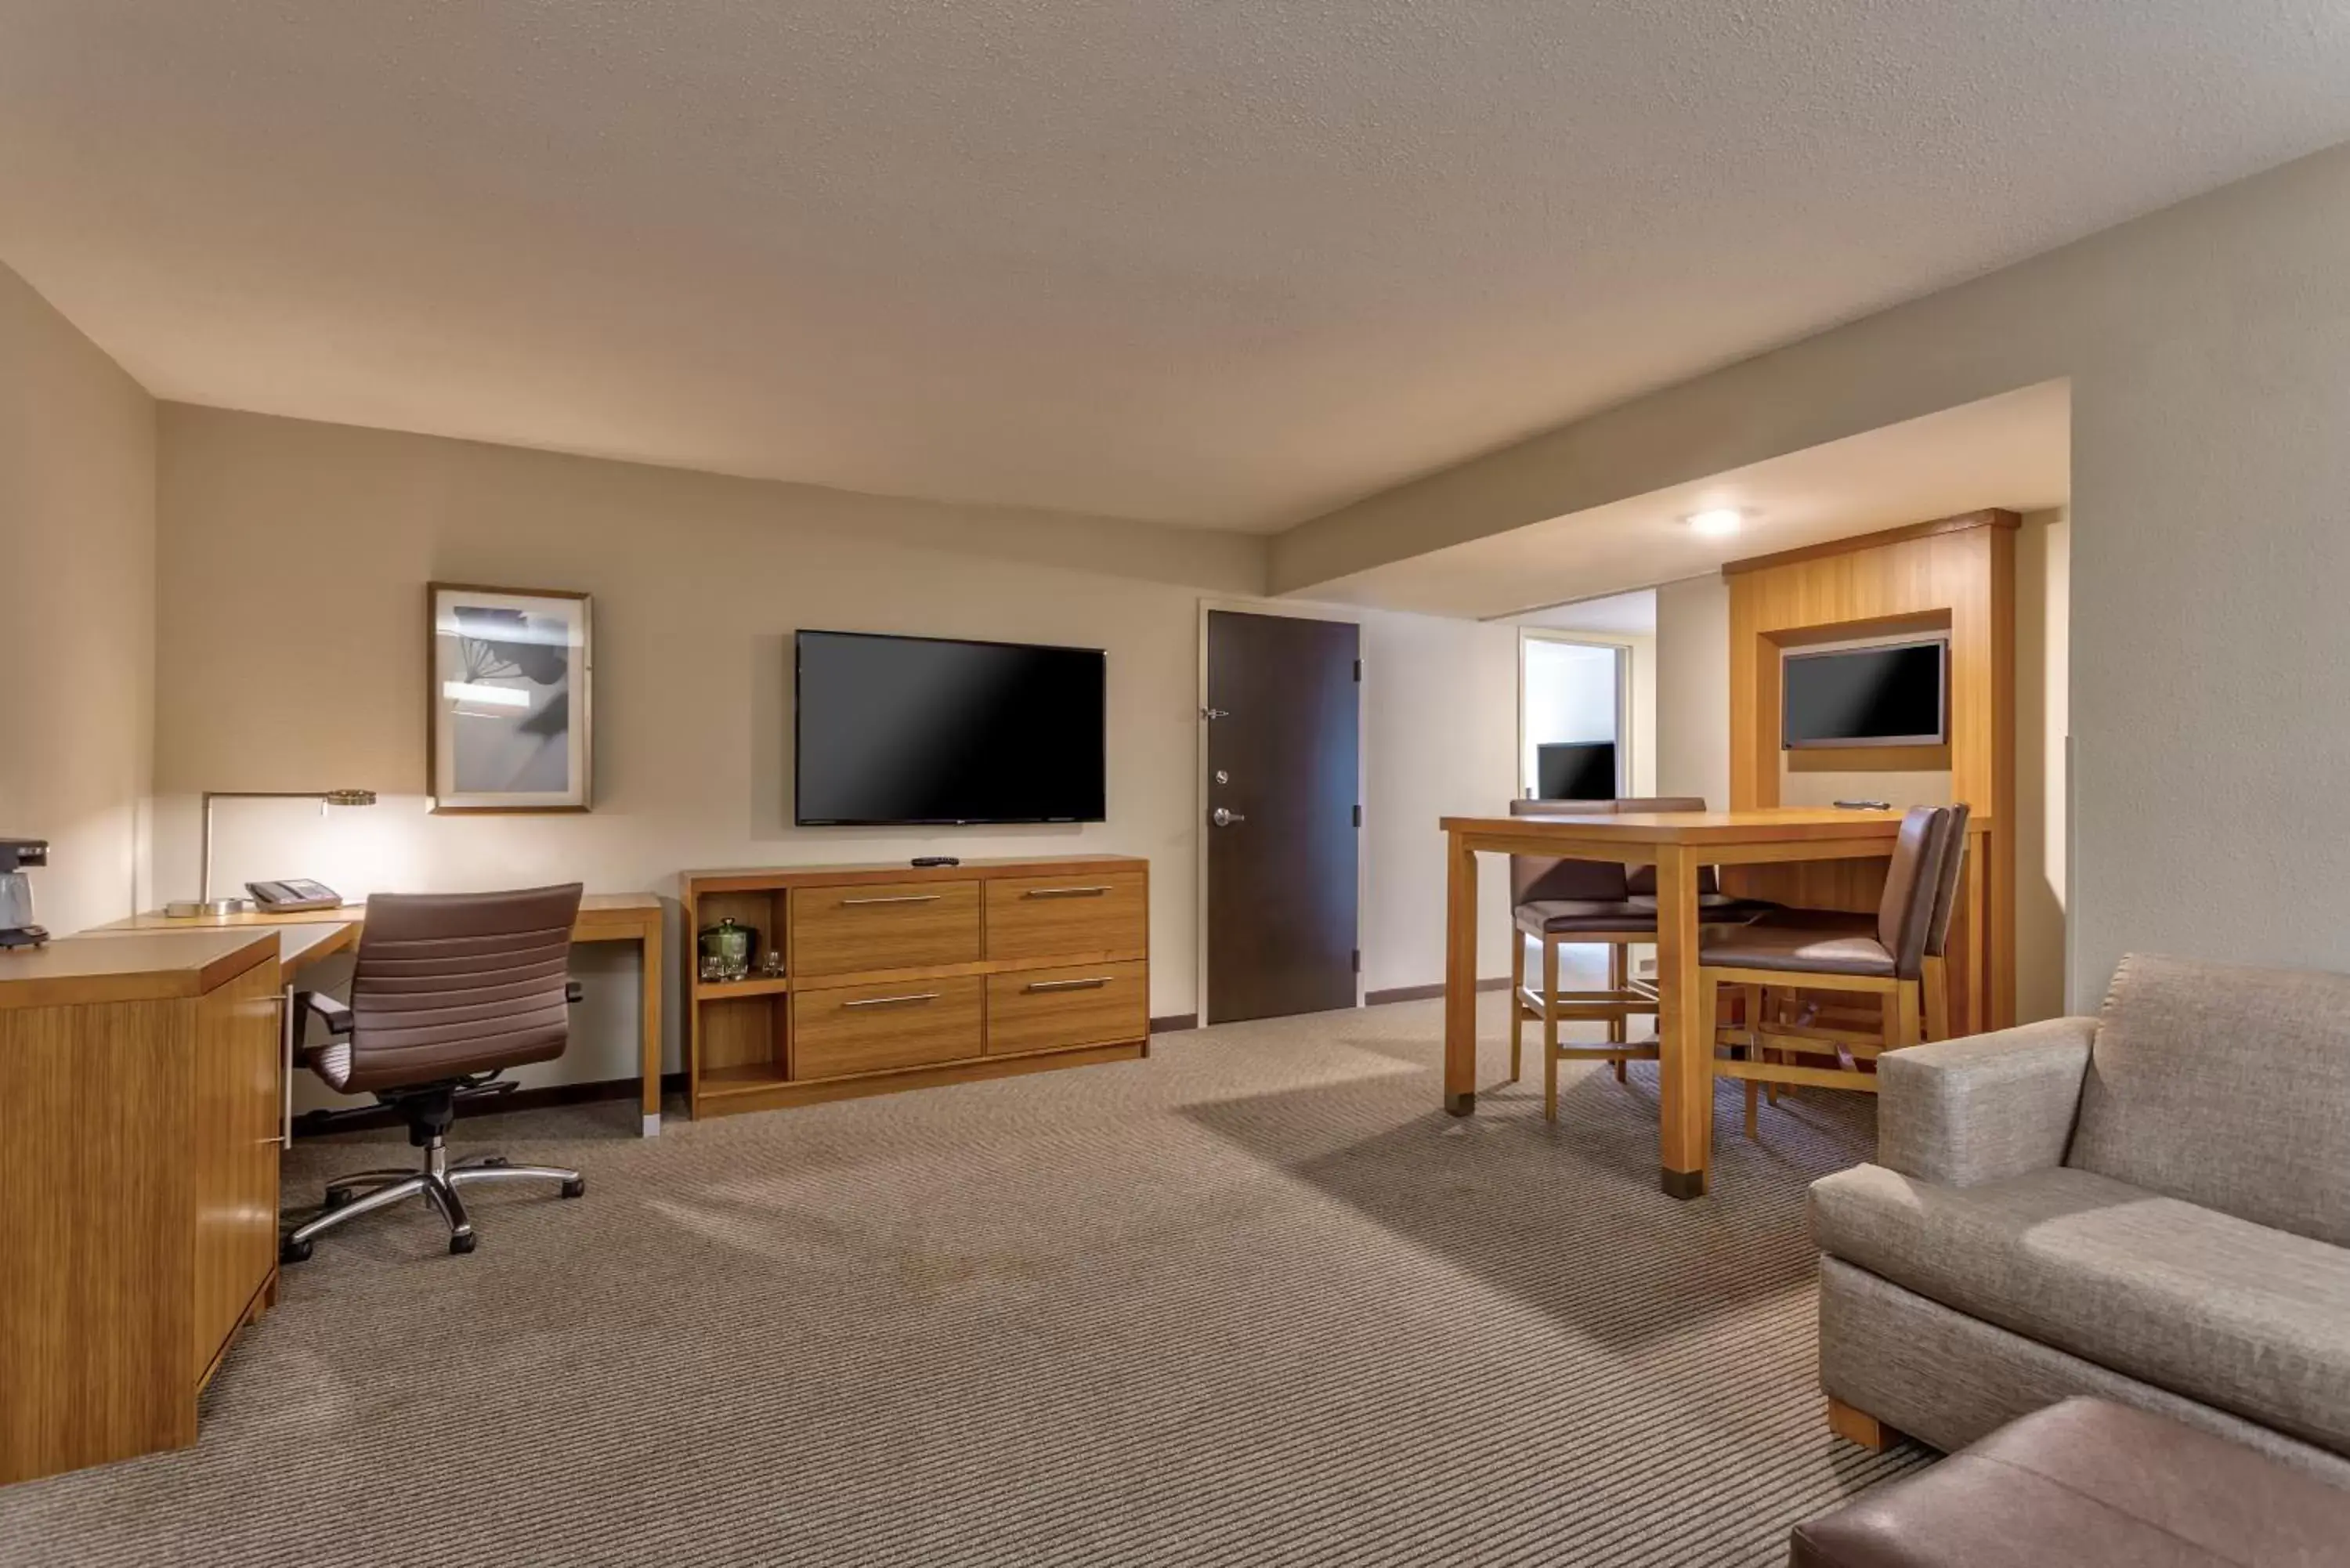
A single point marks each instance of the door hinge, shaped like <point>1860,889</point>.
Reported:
<point>1359,671</point>
<point>1358,816</point>
<point>1358,961</point>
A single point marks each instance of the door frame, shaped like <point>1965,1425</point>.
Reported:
<point>1290,610</point>
<point>1627,765</point>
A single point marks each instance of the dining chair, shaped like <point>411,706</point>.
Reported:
<point>1880,955</point>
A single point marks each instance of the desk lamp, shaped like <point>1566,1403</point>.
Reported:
<point>204,903</point>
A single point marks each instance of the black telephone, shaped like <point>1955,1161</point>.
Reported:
<point>280,898</point>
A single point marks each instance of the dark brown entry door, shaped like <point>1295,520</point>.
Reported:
<point>1284,765</point>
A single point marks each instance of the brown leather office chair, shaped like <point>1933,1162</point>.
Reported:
<point>1880,955</point>
<point>450,989</point>
<point>1559,901</point>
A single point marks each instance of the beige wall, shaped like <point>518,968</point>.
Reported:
<point>78,540</point>
<point>331,533</point>
<point>2043,587</point>
<point>293,564</point>
<point>2208,347</point>
<point>1693,689</point>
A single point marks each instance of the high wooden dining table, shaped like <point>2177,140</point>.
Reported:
<point>1676,842</point>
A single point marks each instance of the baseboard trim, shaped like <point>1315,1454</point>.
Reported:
<point>1175,1023</point>
<point>544,1096</point>
<point>1424,992</point>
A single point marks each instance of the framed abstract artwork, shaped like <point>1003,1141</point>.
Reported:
<point>510,699</point>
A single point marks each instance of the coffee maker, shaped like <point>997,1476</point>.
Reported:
<point>16,927</point>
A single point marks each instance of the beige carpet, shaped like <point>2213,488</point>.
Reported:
<point>1253,1301</point>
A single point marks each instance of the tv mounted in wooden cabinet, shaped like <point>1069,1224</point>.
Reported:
<point>1891,694</point>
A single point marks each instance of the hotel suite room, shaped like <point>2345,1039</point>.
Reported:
<point>1203,1105</point>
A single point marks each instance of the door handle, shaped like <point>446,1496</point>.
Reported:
<point>895,898</point>
<point>1066,892</point>
<point>893,1000</point>
<point>1224,818</point>
<point>1094,982</point>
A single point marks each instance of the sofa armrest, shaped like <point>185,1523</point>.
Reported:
<point>1960,1112</point>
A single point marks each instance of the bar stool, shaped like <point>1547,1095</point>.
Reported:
<point>1559,901</point>
<point>1881,955</point>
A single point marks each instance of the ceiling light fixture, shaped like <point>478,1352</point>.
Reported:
<point>1717,522</point>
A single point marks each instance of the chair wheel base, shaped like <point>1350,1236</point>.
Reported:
<point>575,1188</point>
<point>292,1251</point>
<point>463,1243</point>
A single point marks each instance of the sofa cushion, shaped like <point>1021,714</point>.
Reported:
<point>2218,1309</point>
<point>2226,1087</point>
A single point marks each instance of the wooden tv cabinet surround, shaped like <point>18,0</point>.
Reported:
<point>901,977</point>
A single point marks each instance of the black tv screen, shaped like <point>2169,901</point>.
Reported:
<point>1885,696</point>
<point>1575,770</point>
<point>901,729</point>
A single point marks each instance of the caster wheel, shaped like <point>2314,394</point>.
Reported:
<point>496,1162</point>
<point>575,1188</point>
<point>463,1243</point>
<point>339,1196</point>
<point>292,1251</point>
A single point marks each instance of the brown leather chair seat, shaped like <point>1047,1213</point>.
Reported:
<point>2085,1484</point>
<point>1805,941</point>
<point>1555,915</point>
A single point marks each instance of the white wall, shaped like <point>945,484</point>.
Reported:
<point>1441,741</point>
<point>78,570</point>
<point>1572,692</point>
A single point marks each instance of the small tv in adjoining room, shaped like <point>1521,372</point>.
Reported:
<point>1894,694</point>
<point>905,731</point>
<point>1575,770</point>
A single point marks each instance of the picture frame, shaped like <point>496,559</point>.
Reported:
<point>509,698</point>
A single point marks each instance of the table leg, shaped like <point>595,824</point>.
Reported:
<point>1684,1068</point>
<point>650,1040</point>
<point>1460,977</point>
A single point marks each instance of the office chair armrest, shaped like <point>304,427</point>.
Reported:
<point>572,992</point>
<point>330,1011</point>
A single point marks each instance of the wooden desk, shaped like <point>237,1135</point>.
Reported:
<point>1676,842</point>
<point>603,918</point>
<point>139,1079</point>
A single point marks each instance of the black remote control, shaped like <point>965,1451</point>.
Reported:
<point>936,860</point>
<point>1840,805</point>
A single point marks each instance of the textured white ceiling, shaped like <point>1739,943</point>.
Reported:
<point>2014,450</point>
<point>1179,259</point>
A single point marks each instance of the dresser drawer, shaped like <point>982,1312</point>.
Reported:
<point>881,925</point>
<point>872,1028</point>
<point>1084,1004</point>
<point>1047,917</point>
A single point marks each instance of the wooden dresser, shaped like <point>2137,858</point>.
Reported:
<point>141,1095</point>
<point>897,977</point>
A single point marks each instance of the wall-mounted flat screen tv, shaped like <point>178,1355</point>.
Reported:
<point>914,730</point>
<point>1575,770</point>
<point>1894,694</point>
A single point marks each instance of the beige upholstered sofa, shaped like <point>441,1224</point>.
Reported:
<point>2152,1206</point>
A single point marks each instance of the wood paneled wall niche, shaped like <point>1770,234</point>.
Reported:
<point>1954,577</point>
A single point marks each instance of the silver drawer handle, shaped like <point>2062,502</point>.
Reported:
<point>1066,892</point>
<point>1096,984</point>
<point>895,898</point>
<point>893,1000</point>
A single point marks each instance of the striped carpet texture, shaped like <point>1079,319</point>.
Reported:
<point>1254,1301</point>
